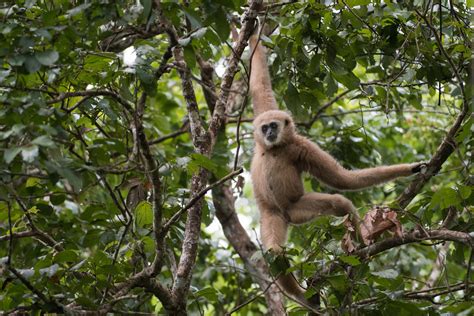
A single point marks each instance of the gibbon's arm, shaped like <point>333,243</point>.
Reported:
<point>324,167</point>
<point>260,82</point>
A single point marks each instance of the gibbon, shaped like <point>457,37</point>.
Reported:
<point>280,157</point>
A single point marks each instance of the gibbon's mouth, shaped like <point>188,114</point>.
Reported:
<point>271,138</point>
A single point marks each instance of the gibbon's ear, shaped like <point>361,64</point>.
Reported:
<point>287,121</point>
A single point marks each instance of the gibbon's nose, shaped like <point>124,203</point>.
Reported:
<point>271,136</point>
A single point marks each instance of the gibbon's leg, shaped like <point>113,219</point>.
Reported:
<point>273,230</point>
<point>314,204</point>
<point>273,234</point>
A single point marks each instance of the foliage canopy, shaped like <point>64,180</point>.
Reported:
<point>103,144</point>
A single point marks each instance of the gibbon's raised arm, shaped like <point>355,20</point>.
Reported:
<point>324,167</point>
<point>260,82</point>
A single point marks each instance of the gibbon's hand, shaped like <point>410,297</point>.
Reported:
<point>420,167</point>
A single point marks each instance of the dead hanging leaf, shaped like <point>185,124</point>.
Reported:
<point>348,242</point>
<point>377,221</point>
<point>240,185</point>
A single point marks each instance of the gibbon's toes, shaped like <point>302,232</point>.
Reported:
<point>420,167</point>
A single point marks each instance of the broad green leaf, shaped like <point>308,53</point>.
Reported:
<point>10,153</point>
<point>208,293</point>
<point>32,64</point>
<point>144,214</point>
<point>353,3</point>
<point>57,199</point>
<point>352,260</point>
<point>47,58</point>
<point>292,99</point>
<point>31,182</point>
<point>43,141</point>
<point>445,197</point>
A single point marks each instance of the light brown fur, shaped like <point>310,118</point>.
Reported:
<point>278,164</point>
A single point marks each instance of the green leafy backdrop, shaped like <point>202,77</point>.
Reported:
<point>101,147</point>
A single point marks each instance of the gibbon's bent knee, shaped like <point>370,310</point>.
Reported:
<point>342,205</point>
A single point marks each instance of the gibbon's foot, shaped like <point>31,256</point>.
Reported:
<point>420,167</point>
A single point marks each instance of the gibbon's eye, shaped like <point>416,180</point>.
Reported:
<point>287,122</point>
<point>264,128</point>
<point>273,125</point>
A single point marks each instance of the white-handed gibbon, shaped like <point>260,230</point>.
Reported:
<point>280,157</point>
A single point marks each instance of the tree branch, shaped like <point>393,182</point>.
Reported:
<point>246,31</point>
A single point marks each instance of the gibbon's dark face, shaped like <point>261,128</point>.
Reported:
<point>273,128</point>
<point>270,131</point>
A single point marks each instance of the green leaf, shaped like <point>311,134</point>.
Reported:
<point>43,141</point>
<point>66,256</point>
<point>199,160</point>
<point>387,274</point>
<point>10,154</point>
<point>31,64</point>
<point>31,182</point>
<point>189,56</point>
<point>71,177</point>
<point>146,8</point>
<point>47,58</point>
<point>444,198</point>
<point>292,99</point>
<point>338,282</point>
<point>209,293</point>
<point>144,214</point>
<point>352,260</point>
<point>57,199</point>
<point>353,3</point>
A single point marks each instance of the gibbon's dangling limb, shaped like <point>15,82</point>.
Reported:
<point>281,155</point>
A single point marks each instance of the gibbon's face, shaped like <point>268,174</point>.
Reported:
<point>271,133</point>
<point>273,128</point>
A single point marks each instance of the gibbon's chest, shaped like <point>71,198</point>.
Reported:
<point>275,177</point>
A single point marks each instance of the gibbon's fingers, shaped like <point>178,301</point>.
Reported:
<point>315,204</point>
<point>419,167</point>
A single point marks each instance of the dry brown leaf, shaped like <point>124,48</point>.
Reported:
<point>347,243</point>
<point>348,240</point>
<point>377,221</point>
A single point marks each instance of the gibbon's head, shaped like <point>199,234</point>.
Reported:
<point>273,128</point>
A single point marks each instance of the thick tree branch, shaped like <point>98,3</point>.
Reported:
<point>201,143</point>
<point>386,244</point>
<point>125,37</point>
<point>419,295</point>
<point>415,236</point>
<point>18,235</point>
<point>246,31</point>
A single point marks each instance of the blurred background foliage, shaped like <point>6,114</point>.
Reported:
<point>366,80</point>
